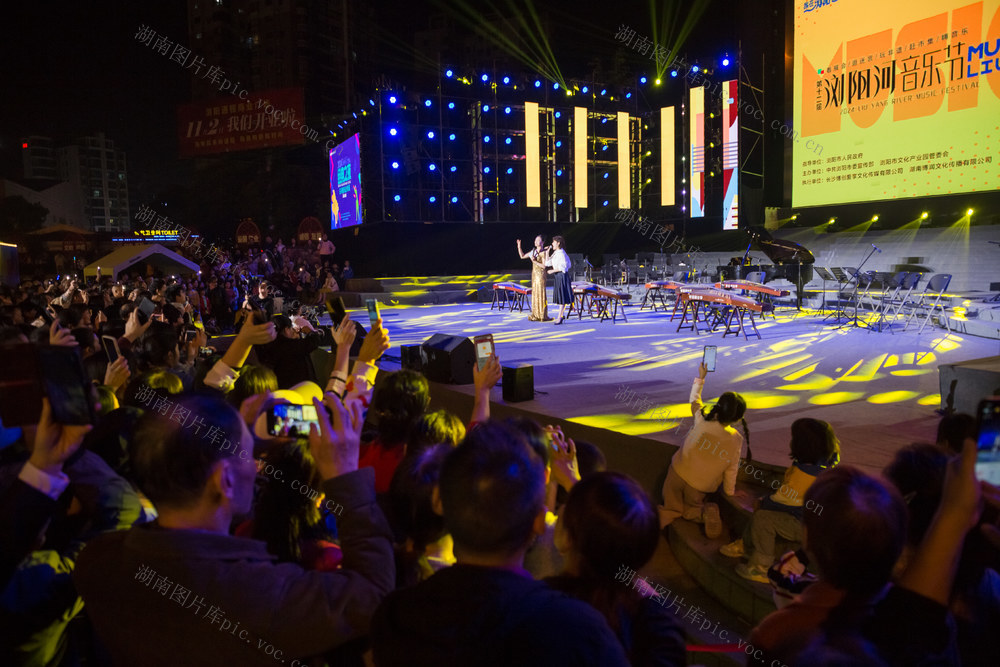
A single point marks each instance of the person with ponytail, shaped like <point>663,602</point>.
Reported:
<point>709,456</point>
<point>287,513</point>
<point>814,448</point>
<point>609,527</point>
<point>399,400</point>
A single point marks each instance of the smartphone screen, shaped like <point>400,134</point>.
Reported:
<point>373,314</point>
<point>988,441</point>
<point>484,349</point>
<point>291,421</point>
<point>189,335</point>
<point>709,358</point>
<point>66,385</point>
<point>146,308</point>
<point>20,387</point>
<point>111,348</point>
<point>335,306</point>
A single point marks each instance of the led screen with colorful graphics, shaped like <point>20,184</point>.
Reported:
<point>345,183</point>
<point>895,99</point>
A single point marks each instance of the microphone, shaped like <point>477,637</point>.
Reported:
<point>877,249</point>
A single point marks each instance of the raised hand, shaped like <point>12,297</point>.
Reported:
<point>336,444</point>
<point>565,469</point>
<point>54,443</point>
<point>375,343</point>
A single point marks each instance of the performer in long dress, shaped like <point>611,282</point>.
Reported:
<point>539,302</point>
<point>562,291</point>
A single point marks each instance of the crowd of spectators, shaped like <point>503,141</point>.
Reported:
<point>194,521</point>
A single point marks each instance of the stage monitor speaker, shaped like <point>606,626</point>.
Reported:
<point>518,383</point>
<point>965,383</point>
<point>449,359</point>
<point>411,357</point>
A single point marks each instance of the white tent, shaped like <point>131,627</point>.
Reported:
<point>139,256</point>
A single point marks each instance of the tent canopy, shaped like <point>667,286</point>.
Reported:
<point>127,257</point>
<point>61,229</point>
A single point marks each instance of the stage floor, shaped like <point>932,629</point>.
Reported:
<point>879,390</point>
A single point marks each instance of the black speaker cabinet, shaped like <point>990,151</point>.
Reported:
<point>448,359</point>
<point>411,357</point>
<point>518,383</point>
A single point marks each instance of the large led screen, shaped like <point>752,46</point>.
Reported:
<point>345,183</point>
<point>895,99</point>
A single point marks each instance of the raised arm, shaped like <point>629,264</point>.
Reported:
<point>699,384</point>
<point>484,381</point>
<point>521,253</point>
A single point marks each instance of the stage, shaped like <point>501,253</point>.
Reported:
<point>880,391</point>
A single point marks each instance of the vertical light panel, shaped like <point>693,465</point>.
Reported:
<point>668,163</point>
<point>624,163</point>
<point>531,156</point>
<point>580,157</point>
<point>696,160</point>
<point>730,155</point>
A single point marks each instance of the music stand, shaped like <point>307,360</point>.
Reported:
<point>854,320</point>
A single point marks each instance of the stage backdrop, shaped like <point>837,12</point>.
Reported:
<point>895,99</point>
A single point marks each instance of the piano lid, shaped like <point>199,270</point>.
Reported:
<point>780,251</point>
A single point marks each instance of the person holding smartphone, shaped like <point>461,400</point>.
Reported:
<point>289,354</point>
<point>562,291</point>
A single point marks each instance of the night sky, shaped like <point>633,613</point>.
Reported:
<point>74,68</point>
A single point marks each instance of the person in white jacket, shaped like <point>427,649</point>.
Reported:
<point>709,456</point>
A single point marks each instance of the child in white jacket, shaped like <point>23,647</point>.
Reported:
<point>709,456</point>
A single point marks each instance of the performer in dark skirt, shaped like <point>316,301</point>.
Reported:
<point>562,292</point>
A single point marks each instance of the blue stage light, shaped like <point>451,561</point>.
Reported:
<point>427,103</point>
<point>393,131</point>
<point>584,89</point>
<point>354,114</point>
<point>453,169</point>
<point>506,109</point>
<point>538,84</point>
<point>432,199</point>
<point>560,201</point>
<point>486,108</point>
<point>506,80</point>
<point>451,137</point>
<point>559,172</point>
<point>432,166</point>
<point>486,170</point>
<point>486,139</point>
<point>396,198</point>
<point>510,170</point>
<point>642,79</point>
<point>694,68</point>
<point>605,202</point>
<point>507,140</point>
<point>454,200</point>
<point>371,102</point>
<point>485,78</point>
<point>628,96</point>
<point>392,99</point>
<point>558,114</point>
<point>430,135</point>
<point>449,73</point>
<point>604,147</point>
<point>486,200</point>
<point>604,91</point>
<point>395,165</point>
<point>673,73</point>
<point>725,62</point>
<point>451,105</point>
<point>555,86</point>
<point>559,144</point>
<point>605,174</point>
<point>511,200</point>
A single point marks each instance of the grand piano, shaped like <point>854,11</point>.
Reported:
<point>792,262</point>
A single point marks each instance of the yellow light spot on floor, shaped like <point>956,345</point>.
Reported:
<point>759,400</point>
<point>817,382</point>
<point>928,358</point>
<point>910,372</point>
<point>622,423</point>
<point>930,399</point>
<point>801,373</point>
<point>892,397</point>
<point>836,397</point>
